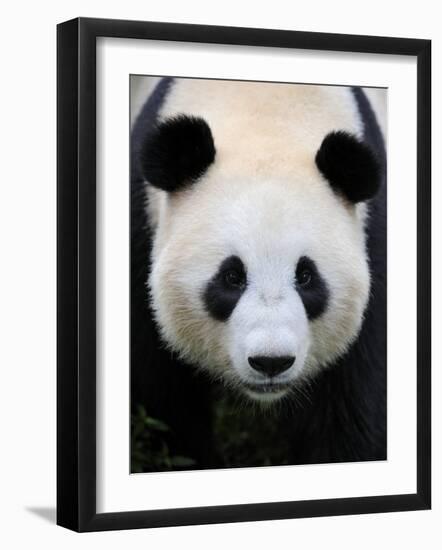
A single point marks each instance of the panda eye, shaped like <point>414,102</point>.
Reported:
<point>304,277</point>
<point>234,279</point>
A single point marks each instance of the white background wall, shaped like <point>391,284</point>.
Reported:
<point>27,289</point>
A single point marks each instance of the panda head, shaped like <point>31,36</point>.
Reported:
<point>258,277</point>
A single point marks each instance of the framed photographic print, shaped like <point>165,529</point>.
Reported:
<point>243,274</point>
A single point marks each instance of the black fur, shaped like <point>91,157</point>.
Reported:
<point>344,417</point>
<point>350,166</point>
<point>177,152</point>
<point>314,295</point>
<point>220,297</point>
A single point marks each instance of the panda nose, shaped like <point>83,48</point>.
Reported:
<point>271,366</point>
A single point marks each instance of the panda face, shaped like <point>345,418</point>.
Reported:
<point>256,200</point>
<point>259,283</point>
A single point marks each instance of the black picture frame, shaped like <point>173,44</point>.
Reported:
<point>76,273</point>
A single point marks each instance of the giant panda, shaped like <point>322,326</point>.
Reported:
<point>258,265</point>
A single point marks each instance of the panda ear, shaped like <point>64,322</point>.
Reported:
<point>350,166</point>
<point>177,152</point>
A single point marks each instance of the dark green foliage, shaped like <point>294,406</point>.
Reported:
<point>247,435</point>
<point>149,448</point>
<point>244,435</point>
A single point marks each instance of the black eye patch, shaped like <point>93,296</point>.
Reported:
<point>224,290</point>
<point>311,288</point>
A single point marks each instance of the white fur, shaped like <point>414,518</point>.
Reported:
<point>265,201</point>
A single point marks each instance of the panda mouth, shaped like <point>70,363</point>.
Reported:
<point>267,388</point>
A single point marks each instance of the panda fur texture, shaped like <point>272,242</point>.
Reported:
<point>201,149</point>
